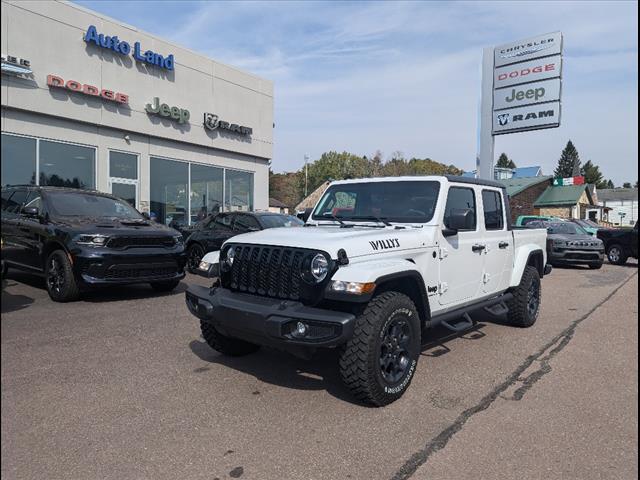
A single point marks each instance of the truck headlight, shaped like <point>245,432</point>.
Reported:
<point>227,261</point>
<point>209,270</point>
<point>95,240</point>
<point>319,267</point>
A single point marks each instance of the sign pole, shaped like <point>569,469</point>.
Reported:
<point>485,139</point>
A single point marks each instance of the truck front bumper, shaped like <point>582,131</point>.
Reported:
<point>269,321</point>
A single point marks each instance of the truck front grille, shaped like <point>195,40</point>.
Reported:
<point>130,241</point>
<point>271,271</point>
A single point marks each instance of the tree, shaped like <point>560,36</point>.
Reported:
<point>610,184</point>
<point>505,162</point>
<point>636,185</point>
<point>626,185</point>
<point>593,175</point>
<point>569,162</point>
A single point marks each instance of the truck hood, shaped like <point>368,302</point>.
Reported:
<point>356,241</point>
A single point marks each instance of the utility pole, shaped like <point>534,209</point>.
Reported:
<point>484,160</point>
<point>306,175</point>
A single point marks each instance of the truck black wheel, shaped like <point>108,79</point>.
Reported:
<point>232,347</point>
<point>525,304</point>
<point>195,252</point>
<point>59,277</point>
<point>616,255</point>
<point>167,286</point>
<point>378,362</point>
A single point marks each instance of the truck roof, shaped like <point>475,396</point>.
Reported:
<point>438,178</point>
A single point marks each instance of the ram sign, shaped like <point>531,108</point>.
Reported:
<point>531,117</point>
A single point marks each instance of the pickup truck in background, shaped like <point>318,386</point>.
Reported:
<point>620,243</point>
<point>378,263</point>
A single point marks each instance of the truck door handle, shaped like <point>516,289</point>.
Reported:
<point>503,244</point>
<point>478,248</point>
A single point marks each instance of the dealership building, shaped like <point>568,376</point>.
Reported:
<point>90,102</point>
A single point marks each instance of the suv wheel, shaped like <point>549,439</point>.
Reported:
<point>60,280</point>
<point>379,361</point>
<point>615,254</point>
<point>232,347</point>
<point>195,253</point>
<point>525,304</point>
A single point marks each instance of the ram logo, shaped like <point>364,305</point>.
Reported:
<point>503,119</point>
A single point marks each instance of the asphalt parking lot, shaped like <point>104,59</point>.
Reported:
<point>120,385</point>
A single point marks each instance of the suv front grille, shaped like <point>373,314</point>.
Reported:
<point>141,241</point>
<point>270,271</point>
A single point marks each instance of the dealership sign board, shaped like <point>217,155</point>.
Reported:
<point>531,117</point>
<point>527,94</point>
<point>523,50</point>
<point>54,81</point>
<point>527,84</point>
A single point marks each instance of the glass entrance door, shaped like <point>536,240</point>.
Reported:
<point>123,172</point>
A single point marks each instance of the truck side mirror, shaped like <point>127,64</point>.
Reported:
<point>31,212</point>
<point>459,219</point>
<point>304,216</point>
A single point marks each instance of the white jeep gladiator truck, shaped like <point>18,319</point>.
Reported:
<point>378,263</point>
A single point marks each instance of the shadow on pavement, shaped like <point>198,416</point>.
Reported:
<point>321,372</point>
<point>12,303</point>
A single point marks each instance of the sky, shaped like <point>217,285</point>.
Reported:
<point>405,76</point>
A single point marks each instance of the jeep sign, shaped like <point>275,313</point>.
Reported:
<point>531,117</point>
<point>527,94</point>
<point>536,47</point>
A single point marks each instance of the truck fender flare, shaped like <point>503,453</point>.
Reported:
<point>527,255</point>
<point>412,285</point>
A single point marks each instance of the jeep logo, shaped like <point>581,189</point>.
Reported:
<point>384,244</point>
<point>179,114</point>
<point>532,93</point>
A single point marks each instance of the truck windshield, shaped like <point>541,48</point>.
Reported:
<point>400,202</point>
<point>78,204</point>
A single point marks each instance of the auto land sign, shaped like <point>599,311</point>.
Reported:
<point>532,71</point>
<point>527,94</point>
<point>524,50</point>
<point>531,117</point>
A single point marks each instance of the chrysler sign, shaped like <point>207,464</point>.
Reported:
<point>536,47</point>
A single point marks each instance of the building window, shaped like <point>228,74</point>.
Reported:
<point>18,160</point>
<point>238,191</point>
<point>207,189</point>
<point>123,165</point>
<point>169,199</point>
<point>66,165</point>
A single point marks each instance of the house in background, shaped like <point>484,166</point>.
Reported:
<point>507,173</point>
<point>276,206</point>
<point>568,201</point>
<point>617,201</point>
<point>523,193</point>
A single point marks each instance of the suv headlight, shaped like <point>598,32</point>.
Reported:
<point>559,243</point>
<point>319,267</point>
<point>178,239</point>
<point>95,240</point>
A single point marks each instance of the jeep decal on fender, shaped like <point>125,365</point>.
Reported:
<point>384,244</point>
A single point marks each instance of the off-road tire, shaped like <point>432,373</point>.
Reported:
<point>64,287</point>
<point>232,347</point>
<point>595,266</point>
<point>619,258</point>
<point>166,286</point>
<point>520,311</point>
<point>195,249</point>
<point>360,358</point>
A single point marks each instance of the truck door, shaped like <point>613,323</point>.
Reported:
<point>498,241</point>
<point>461,255</point>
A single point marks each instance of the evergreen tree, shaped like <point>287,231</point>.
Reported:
<point>505,162</point>
<point>610,184</point>
<point>569,162</point>
<point>593,175</point>
<point>626,185</point>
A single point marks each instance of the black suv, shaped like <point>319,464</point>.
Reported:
<point>212,232</point>
<point>81,238</point>
<point>620,243</point>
